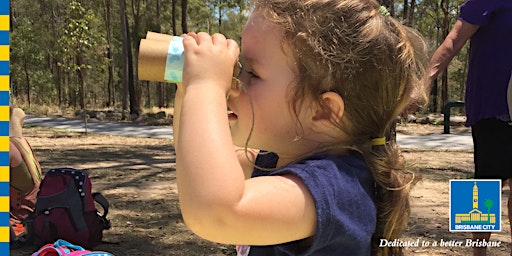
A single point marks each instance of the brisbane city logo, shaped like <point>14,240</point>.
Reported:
<point>475,205</point>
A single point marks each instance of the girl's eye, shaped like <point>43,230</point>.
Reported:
<point>244,69</point>
<point>247,71</point>
<point>250,73</point>
<point>245,75</point>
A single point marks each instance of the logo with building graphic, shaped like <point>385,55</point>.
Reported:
<point>475,205</point>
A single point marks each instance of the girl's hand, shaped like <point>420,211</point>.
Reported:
<point>209,60</point>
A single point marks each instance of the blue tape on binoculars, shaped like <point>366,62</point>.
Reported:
<point>174,63</point>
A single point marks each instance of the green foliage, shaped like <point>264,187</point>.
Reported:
<point>434,19</point>
<point>47,36</point>
<point>78,37</point>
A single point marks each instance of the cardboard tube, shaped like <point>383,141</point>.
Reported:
<point>161,59</point>
<point>152,60</point>
<point>158,36</point>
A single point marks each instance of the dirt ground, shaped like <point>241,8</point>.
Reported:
<point>137,176</point>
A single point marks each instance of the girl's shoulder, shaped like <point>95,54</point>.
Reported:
<point>343,174</point>
<point>342,189</point>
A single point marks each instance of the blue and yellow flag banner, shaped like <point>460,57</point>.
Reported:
<point>4,127</point>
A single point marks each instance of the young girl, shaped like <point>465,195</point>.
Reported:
<point>321,82</point>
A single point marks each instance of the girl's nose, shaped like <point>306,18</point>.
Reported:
<point>235,89</point>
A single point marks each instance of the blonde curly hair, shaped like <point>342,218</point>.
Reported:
<point>374,63</point>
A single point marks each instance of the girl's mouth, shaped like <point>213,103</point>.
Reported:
<point>232,116</point>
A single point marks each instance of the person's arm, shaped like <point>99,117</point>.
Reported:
<point>15,157</point>
<point>217,202</point>
<point>442,57</point>
<point>246,157</point>
<point>450,47</point>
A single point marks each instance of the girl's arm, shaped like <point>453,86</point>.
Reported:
<point>246,159</point>
<point>216,200</point>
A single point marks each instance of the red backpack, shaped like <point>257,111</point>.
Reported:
<point>65,209</point>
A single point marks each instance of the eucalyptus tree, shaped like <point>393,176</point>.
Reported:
<point>81,43</point>
<point>77,53</point>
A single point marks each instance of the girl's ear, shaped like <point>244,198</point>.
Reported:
<point>329,112</point>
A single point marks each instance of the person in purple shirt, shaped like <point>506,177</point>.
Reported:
<point>487,24</point>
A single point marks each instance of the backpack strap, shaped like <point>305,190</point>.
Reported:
<point>101,200</point>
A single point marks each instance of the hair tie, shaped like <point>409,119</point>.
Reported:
<point>379,141</point>
<point>384,11</point>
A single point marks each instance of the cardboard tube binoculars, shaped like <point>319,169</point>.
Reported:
<point>161,59</point>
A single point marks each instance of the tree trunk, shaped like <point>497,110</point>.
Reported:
<point>111,100</point>
<point>184,27</point>
<point>464,79</point>
<point>444,88</point>
<point>148,94</point>
<point>445,30</point>
<point>58,80</point>
<point>126,46</point>
<point>134,104</point>
<point>27,80</point>
<point>405,14</point>
<point>160,86</point>
<point>80,72</point>
<point>220,16</point>
<point>173,14</point>
<point>134,87</point>
<point>412,8</point>
<point>433,96</point>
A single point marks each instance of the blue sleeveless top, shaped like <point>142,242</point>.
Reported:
<point>343,190</point>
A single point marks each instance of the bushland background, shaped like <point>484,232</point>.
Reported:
<point>82,54</point>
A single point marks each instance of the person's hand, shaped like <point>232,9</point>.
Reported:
<point>209,60</point>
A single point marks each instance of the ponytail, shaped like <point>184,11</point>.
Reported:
<point>393,184</point>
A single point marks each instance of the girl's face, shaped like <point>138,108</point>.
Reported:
<point>267,76</point>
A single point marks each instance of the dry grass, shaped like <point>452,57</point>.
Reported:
<point>137,176</point>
